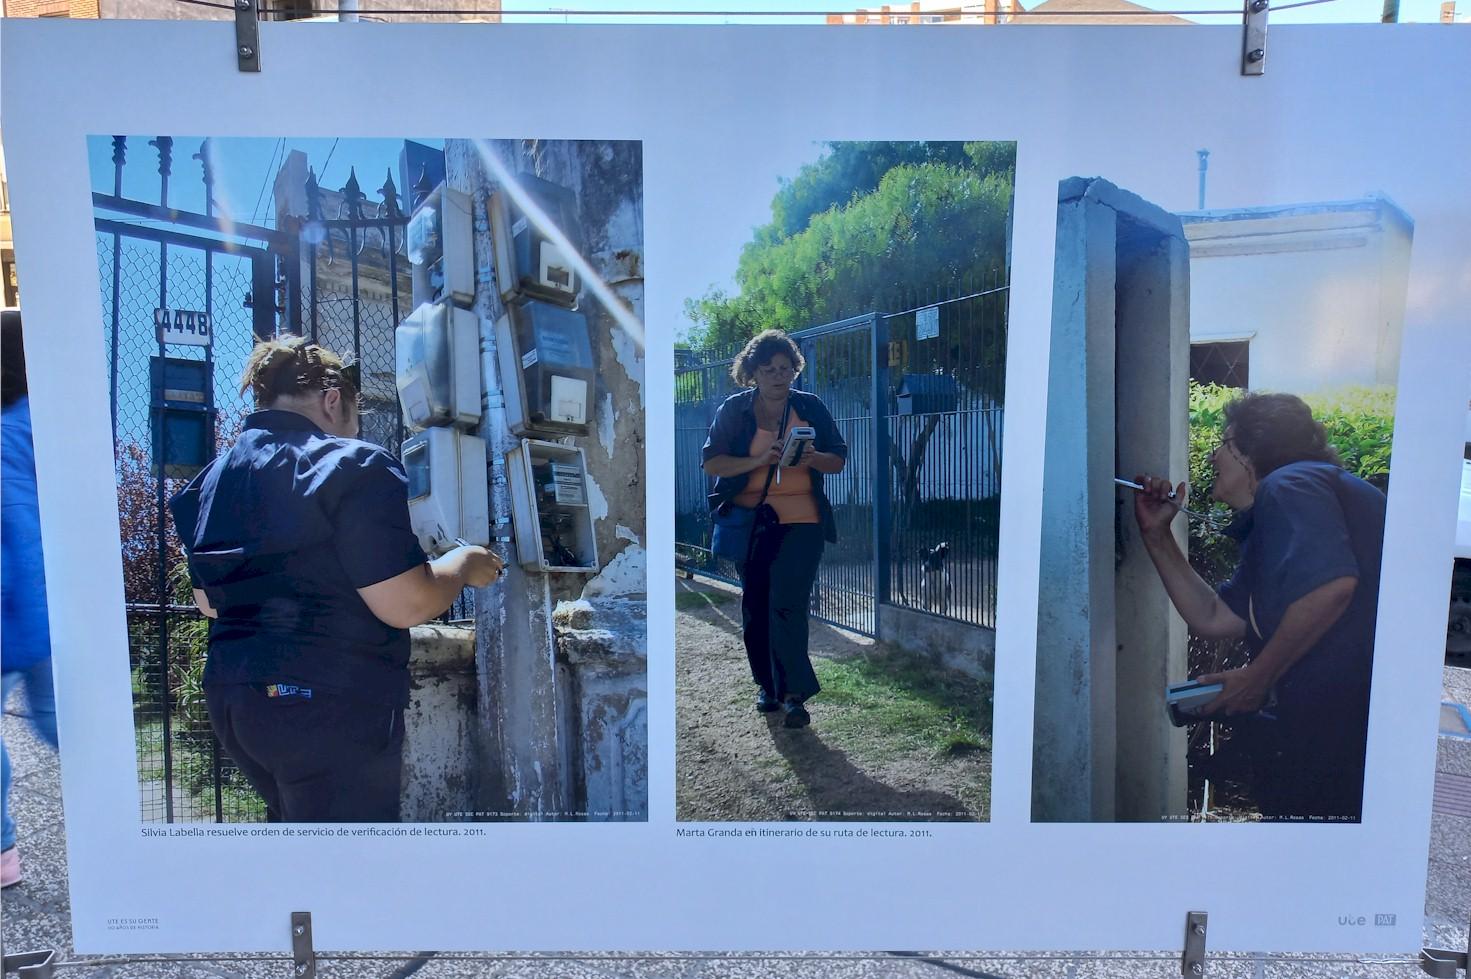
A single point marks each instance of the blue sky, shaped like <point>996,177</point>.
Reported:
<point>244,169</point>
<point>559,11</point>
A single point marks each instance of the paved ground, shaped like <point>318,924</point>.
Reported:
<point>36,914</point>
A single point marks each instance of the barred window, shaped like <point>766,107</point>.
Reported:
<point>1223,363</point>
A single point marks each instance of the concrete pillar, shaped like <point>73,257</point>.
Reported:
<point>1107,639</point>
<point>530,698</point>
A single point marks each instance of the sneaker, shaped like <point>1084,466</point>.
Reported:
<point>766,703</point>
<point>9,867</point>
<point>797,715</point>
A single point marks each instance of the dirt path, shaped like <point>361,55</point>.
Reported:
<point>733,763</point>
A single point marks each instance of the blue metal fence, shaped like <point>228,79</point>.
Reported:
<point>919,396</point>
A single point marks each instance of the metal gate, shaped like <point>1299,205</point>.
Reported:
<point>918,395</point>
<point>147,274</point>
<point>341,279</point>
<point>841,370</point>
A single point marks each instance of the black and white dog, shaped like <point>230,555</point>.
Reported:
<point>934,583</point>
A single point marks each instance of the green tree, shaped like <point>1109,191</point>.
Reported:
<point>861,229</point>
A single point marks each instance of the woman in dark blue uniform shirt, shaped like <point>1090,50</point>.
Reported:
<point>301,553</point>
<point>1304,597</point>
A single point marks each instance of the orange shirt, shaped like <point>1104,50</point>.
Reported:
<point>791,488</point>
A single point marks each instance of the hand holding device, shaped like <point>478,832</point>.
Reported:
<point>799,442</point>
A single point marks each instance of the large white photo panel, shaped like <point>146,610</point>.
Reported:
<point>1341,112</point>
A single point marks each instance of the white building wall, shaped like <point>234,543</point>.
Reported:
<point>1318,290</point>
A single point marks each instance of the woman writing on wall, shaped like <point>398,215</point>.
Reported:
<point>1304,597</point>
<point>301,554</point>
<point>794,519</point>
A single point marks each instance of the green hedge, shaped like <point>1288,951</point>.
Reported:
<point>1360,424</point>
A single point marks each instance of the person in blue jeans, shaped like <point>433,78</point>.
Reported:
<point>25,642</point>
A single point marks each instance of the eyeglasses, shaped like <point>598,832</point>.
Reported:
<point>772,370</point>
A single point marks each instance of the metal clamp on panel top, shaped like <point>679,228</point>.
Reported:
<point>1254,38</point>
<point>247,35</point>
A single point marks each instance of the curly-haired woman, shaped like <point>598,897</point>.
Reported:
<point>1304,597</point>
<point>301,554</point>
<point>744,451</point>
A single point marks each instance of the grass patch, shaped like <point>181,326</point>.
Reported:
<point>906,702</point>
<point>693,601</point>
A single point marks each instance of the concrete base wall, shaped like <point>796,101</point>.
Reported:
<point>969,649</point>
<point>601,652</point>
<point>440,726</point>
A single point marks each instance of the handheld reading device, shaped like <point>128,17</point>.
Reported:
<point>1186,700</point>
<point>798,442</point>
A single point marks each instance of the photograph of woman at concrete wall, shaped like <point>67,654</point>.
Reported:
<point>1304,598</point>
<point>782,514</point>
<point>493,423</point>
<point>844,671</point>
<point>1199,521</point>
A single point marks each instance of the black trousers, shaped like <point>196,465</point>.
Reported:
<point>776,587</point>
<point>1306,761</point>
<point>323,759</point>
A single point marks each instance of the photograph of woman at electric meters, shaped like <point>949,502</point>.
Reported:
<point>1304,598</point>
<point>301,555</point>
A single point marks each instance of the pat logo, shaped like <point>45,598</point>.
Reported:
<point>288,690</point>
<point>1381,920</point>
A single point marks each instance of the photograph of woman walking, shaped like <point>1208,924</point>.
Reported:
<point>839,394</point>
<point>768,449</point>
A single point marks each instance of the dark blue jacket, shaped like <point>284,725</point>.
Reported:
<point>734,427</point>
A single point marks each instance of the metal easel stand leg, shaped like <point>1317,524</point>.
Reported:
<point>1192,961</point>
<point>304,957</point>
<point>30,965</point>
<point>1444,963</point>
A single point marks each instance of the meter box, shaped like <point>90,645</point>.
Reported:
<point>438,371</point>
<point>181,413</point>
<point>441,249</point>
<point>546,365</point>
<point>448,488</point>
<point>528,263</point>
<point>554,527</point>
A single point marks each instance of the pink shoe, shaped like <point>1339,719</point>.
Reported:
<point>9,867</point>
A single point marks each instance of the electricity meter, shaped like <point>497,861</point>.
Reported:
<point>438,377</point>
<point>448,488</point>
<point>546,364</point>
<point>549,507</point>
<point>528,262</point>
<point>441,249</point>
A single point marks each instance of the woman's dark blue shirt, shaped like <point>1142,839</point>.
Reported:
<point>1311,523</point>
<point>281,531</point>
<point>734,427</point>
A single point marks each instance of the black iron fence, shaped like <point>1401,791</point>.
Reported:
<point>919,396</point>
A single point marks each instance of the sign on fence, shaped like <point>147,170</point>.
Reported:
<point>183,326</point>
